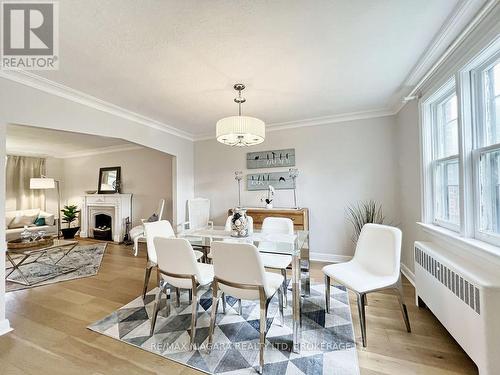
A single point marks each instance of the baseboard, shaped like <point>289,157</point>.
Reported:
<point>408,274</point>
<point>5,327</point>
<point>329,258</point>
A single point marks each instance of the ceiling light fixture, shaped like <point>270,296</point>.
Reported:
<point>240,130</point>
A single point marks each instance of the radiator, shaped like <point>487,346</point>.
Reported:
<point>463,292</point>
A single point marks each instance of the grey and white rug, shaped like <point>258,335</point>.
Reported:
<point>86,258</point>
<point>328,344</point>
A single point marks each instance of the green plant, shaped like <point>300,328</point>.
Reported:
<point>70,213</point>
<point>362,213</point>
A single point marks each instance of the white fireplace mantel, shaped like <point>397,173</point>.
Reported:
<point>118,206</point>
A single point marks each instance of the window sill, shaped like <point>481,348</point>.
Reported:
<point>455,239</point>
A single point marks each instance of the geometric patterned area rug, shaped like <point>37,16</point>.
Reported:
<point>87,259</point>
<point>328,345</point>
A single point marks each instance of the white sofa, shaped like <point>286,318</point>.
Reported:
<point>16,220</point>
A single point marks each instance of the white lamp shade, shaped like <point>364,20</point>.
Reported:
<point>241,131</point>
<point>42,183</point>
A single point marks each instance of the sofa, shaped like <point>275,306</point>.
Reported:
<point>34,219</point>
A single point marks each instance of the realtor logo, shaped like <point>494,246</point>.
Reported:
<point>30,36</point>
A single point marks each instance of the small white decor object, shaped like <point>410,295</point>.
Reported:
<point>270,196</point>
<point>239,223</point>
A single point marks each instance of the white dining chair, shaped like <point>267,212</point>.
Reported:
<point>161,228</point>
<point>137,232</point>
<point>375,266</point>
<point>198,214</point>
<point>239,273</point>
<point>179,268</point>
<point>277,225</point>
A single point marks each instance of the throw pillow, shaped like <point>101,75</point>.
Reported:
<point>23,219</point>
<point>49,218</point>
<point>9,216</point>
<point>40,222</point>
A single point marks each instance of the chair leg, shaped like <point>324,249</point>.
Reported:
<point>146,280</point>
<point>178,296</point>
<point>404,311</point>
<point>240,310</point>
<point>166,290</point>
<point>362,317</point>
<point>285,287</point>
<point>280,305</point>
<point>194,317</point>
<point>262,335</point>
<point>213,314</point>
<point>190,295</point>
<point>224,303</point>
<point>155,310</point>
<point>327,294</point>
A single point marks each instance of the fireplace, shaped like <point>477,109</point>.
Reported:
<point>102,227</point>
<point>100,211</point>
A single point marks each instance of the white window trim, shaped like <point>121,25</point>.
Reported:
<point>463,81</point>
<point>427,111</point>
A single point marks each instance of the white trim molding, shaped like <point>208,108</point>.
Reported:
<point>329,258</point>
<point>32,80</point>
<point>460,24</point>
<point>5,327</point>
<point>407,272</point>
<point>317,121</point>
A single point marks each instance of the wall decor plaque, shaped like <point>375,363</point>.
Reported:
<point>261,181</point>
<point>271,159</point>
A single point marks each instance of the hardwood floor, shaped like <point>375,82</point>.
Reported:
<point>50,337</point>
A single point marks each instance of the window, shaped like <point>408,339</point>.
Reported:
<point>445,160</point>
<point>461,150</point>
<point>487,150</point>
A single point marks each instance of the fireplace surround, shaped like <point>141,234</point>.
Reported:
<point>95,209</point>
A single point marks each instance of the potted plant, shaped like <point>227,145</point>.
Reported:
<point>70,214</point>
<point>362,213</point>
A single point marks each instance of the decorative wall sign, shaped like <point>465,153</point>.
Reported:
<point>261,181</point>
<point>271,159</point>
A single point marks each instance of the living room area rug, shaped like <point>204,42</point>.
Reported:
<point>85,258</point>
<point>328,343</point>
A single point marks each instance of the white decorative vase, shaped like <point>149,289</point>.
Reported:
<point>239,223</point>
<point>269,205</point>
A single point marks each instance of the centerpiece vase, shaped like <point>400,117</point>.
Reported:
<point>239,223</point>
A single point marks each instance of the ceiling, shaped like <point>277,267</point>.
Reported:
<point>176,61</point>
<point>27,140</point>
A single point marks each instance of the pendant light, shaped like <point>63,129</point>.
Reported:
<point>240,130</point>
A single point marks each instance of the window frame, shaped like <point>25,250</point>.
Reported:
<point>430,123</point>
<point>467,83</point>
<point>480,143</point>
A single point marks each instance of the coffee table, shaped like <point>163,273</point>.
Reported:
<point>17,262</point>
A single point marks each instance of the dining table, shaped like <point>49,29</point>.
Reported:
<point>271,243</point>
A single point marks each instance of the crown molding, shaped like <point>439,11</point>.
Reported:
<point>76,154</point>
<point>32,80</point>
<point>101,150</point>
<point>458,26</point>
<point>317,121</point>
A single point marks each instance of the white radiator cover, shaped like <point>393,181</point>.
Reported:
<point>464,294</point>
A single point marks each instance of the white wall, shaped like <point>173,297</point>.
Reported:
<point>338,163</point>
<point>408,151</point>
<point>145,173</point>
<point>4,323</point>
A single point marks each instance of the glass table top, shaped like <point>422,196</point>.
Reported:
<point>265,242</point>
